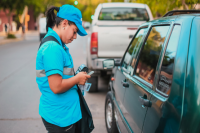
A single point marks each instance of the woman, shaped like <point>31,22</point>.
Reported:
<point>59,103</point>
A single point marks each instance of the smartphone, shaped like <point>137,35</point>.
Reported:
<point>90,73</point>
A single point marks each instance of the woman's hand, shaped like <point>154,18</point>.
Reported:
<point>59,85</point>
<point>82,77</point>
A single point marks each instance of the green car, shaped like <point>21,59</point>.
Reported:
<point>156,86</point>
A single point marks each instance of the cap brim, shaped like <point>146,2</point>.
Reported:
<point>81,30</point>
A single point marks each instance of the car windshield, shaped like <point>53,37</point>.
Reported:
<point>121,14</point>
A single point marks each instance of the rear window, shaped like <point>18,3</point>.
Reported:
<point>121,14</point>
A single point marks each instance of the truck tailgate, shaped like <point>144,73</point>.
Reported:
<point>113,38</point>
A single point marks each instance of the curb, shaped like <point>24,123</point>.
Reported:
<point>5,41</point>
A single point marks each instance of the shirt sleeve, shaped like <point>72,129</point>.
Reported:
<point>53,59</point>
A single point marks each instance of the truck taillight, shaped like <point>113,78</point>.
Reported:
<point>132,28</point>
<point>94,43</point>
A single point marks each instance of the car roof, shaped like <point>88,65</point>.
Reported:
<point>179,12</point>
<point>169,19</point>
<point>122,4</point>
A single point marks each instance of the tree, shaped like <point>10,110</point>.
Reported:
<point>163,6</point>
<point>87,7</point>
<point>41,6</point>
<point>10,6</point>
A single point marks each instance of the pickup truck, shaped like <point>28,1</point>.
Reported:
<point>113,26</point>
<point>42,27</point>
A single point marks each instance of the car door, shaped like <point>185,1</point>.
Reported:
<point>120,83</point>
<point>142,78</point>
<point>165,114</point>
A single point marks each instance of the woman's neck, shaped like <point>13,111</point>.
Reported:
<point>57,30</point>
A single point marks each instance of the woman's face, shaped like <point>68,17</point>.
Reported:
<point>68,32</point>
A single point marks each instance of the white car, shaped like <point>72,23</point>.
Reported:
<point>42,27</point>
<point>86,25</point>
<point>113,27</point>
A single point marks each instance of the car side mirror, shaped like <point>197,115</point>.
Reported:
<point>110,63</point>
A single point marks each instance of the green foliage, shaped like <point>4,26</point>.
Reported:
<point>161,7</point>
<point>13,5</point>
<point>11,36</point>
<point>87,7</point>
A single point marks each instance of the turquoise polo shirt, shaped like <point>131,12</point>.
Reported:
<point>59,109</point>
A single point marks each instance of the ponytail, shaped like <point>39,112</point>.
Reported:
<point>51,17</point>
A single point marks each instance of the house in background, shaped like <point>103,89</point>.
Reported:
<point>4,20</point>
<point>27,18</point>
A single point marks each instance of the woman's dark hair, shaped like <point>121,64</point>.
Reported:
<point>52,19</point>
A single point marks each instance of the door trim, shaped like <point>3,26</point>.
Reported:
<point>122,117</point>
<point>135,81</point>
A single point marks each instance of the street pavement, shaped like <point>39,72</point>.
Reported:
<point>19,94</point>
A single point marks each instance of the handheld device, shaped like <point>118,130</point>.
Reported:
<point>90,73</point>
<point>82,68</point>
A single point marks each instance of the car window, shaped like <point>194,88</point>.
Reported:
<point>150,53</point>
<point>128,14</point>
<point>166,73</point>
<point>133,48</point>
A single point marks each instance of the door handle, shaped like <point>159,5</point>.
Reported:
<point>130,36</point>
<point>144,101</point>
<point>125,84</point>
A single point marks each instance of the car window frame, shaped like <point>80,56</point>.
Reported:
<point>122,60</point>
<point>164,97</point>
<point>139,81</point>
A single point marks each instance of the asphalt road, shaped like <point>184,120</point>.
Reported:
<point>19,94</point>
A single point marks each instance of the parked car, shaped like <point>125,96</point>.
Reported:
<point>156,88</point>
<point>86,25</point>
<point>42,27</point>
<point>113,26</point>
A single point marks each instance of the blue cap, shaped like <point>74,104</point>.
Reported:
<point>73,14</point>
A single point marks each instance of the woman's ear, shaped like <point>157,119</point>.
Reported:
<point>64,23</point>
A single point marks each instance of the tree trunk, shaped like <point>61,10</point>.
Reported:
<point>185,6</point>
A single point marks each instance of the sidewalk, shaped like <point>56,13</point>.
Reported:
<point>18,34</point>
<point>4,40</point>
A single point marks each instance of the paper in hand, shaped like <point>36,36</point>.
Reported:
<point>85,87</point>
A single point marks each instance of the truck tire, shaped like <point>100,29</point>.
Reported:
<point>94,81</point>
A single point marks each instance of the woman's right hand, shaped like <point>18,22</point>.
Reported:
<point>82,77</point>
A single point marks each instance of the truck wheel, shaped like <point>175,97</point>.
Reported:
<point>110,115</point>
<point>94,81</point>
